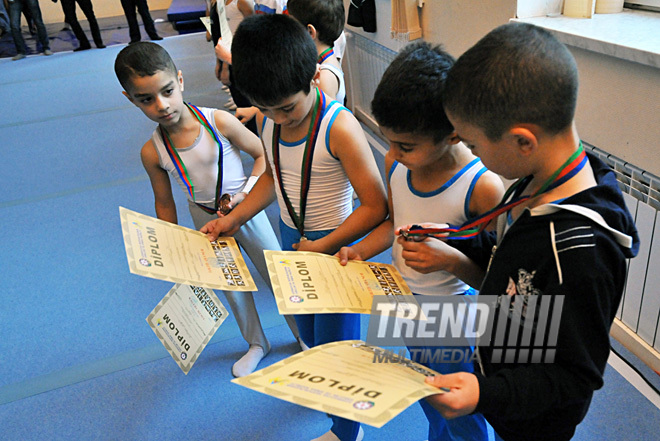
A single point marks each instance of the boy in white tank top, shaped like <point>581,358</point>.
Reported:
<point>324,21</point>
<point>433,178</point>
<point>276,66</point>
<point>199,148</point>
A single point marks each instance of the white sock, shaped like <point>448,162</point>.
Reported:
<point>248,362</point>
<point>330,436</point>
<point>303,346</point>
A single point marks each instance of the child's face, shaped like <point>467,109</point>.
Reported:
<point>415,151</point>
<point>291,111</point>
<point>498,156</point>
<point>159,96</point>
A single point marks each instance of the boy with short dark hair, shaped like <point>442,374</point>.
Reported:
<point>311,143</point>
<point>432,177</point>
<point>564,237</point>
<point>324,20</point>
<point>200,149</point>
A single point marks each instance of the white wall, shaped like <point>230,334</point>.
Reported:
<point>52,12</point>
<point>618,106</point>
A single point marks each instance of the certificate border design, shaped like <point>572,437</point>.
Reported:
<point>135,268</point>
<point>190,361</point>
<point>280,295</point>
<point>378,421</point>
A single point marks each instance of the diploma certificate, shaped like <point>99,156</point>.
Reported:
<point>185,320</point>
<point>314,283</point>
<point>346,378</point>
<point>166,251</point>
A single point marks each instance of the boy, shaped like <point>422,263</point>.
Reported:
<point>432,177</point>
<point>511,99</point>
<point>275,66</point>
<point>324,20</point>
<point>200,149</point>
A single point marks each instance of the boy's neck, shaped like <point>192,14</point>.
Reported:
<point>185,123</point>
<point>552,156</point>
<point>320,47</point>
<point>430,176</point>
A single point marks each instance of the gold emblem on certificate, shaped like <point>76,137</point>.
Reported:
<point>348,378</point>
<point>314,283</point>
<point>166,251</point>
<point>185,320</point>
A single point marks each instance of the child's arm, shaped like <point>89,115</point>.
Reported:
<point>244,140</point>
<point>349,145</point>
<point>379,239</point>
<point>160,183</point>
<point>260,197</point>
<point>246,7</point>
<point>329,83</point>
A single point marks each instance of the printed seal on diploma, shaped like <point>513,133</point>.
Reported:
<point>313,283</point>
<point>344,378</point>
<point>166,251</point>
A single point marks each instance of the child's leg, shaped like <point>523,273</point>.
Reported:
<point>244,310</point>
<point>469,427</point>
<point>254,237</point>
<point>317,329</point>
<point>338,327</point>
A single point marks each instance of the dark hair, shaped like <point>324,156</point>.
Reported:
<point>141,59</point>
<point>273,58</point>
<point>327,17</point>
<point>408,98</point>
<point>518,73</point>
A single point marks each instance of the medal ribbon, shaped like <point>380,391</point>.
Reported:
<point>306,169</point>
<point>181,167</point>
<point>325,54</point>
<point>475,226</point>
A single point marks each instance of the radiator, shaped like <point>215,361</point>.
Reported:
<point>637,323</point>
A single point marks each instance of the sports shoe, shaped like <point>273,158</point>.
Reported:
<point>18,57</point>
<point>48,52</point>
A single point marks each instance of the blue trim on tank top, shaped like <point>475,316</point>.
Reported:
<point>468,196</point>
<point>445,186</point>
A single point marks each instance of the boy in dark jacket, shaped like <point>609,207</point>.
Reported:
<point>557,263</point>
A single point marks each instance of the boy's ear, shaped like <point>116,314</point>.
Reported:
<point>452,139</point>
<point>316,79</point>
<point>179,77</point>
<point>525,139</point>
<point>127,96</point>
<point>311,30</point>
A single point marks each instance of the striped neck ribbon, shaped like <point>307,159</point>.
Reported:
<point>181,167</point>
<point>325,55</point>
<point>473,227</point>
<point>306,169</point>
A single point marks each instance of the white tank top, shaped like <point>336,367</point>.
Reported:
<point>330,197</point>
<point>448,204</point>
<point>341,92</point>
<point>201,161</point>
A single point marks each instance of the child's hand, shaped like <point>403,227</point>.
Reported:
<point>222,51</point>
<point>347,253</point>
<point>308,245</point>
<point>462,397</point>
<point>245,114</point>
<point>223,226</point>
<point>428,255</point>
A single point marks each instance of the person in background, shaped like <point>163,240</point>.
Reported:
<point>130,6</point>
<point>69,9</point>
<point>15,10</point>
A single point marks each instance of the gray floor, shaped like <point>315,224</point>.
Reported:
<point>79,360</point>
